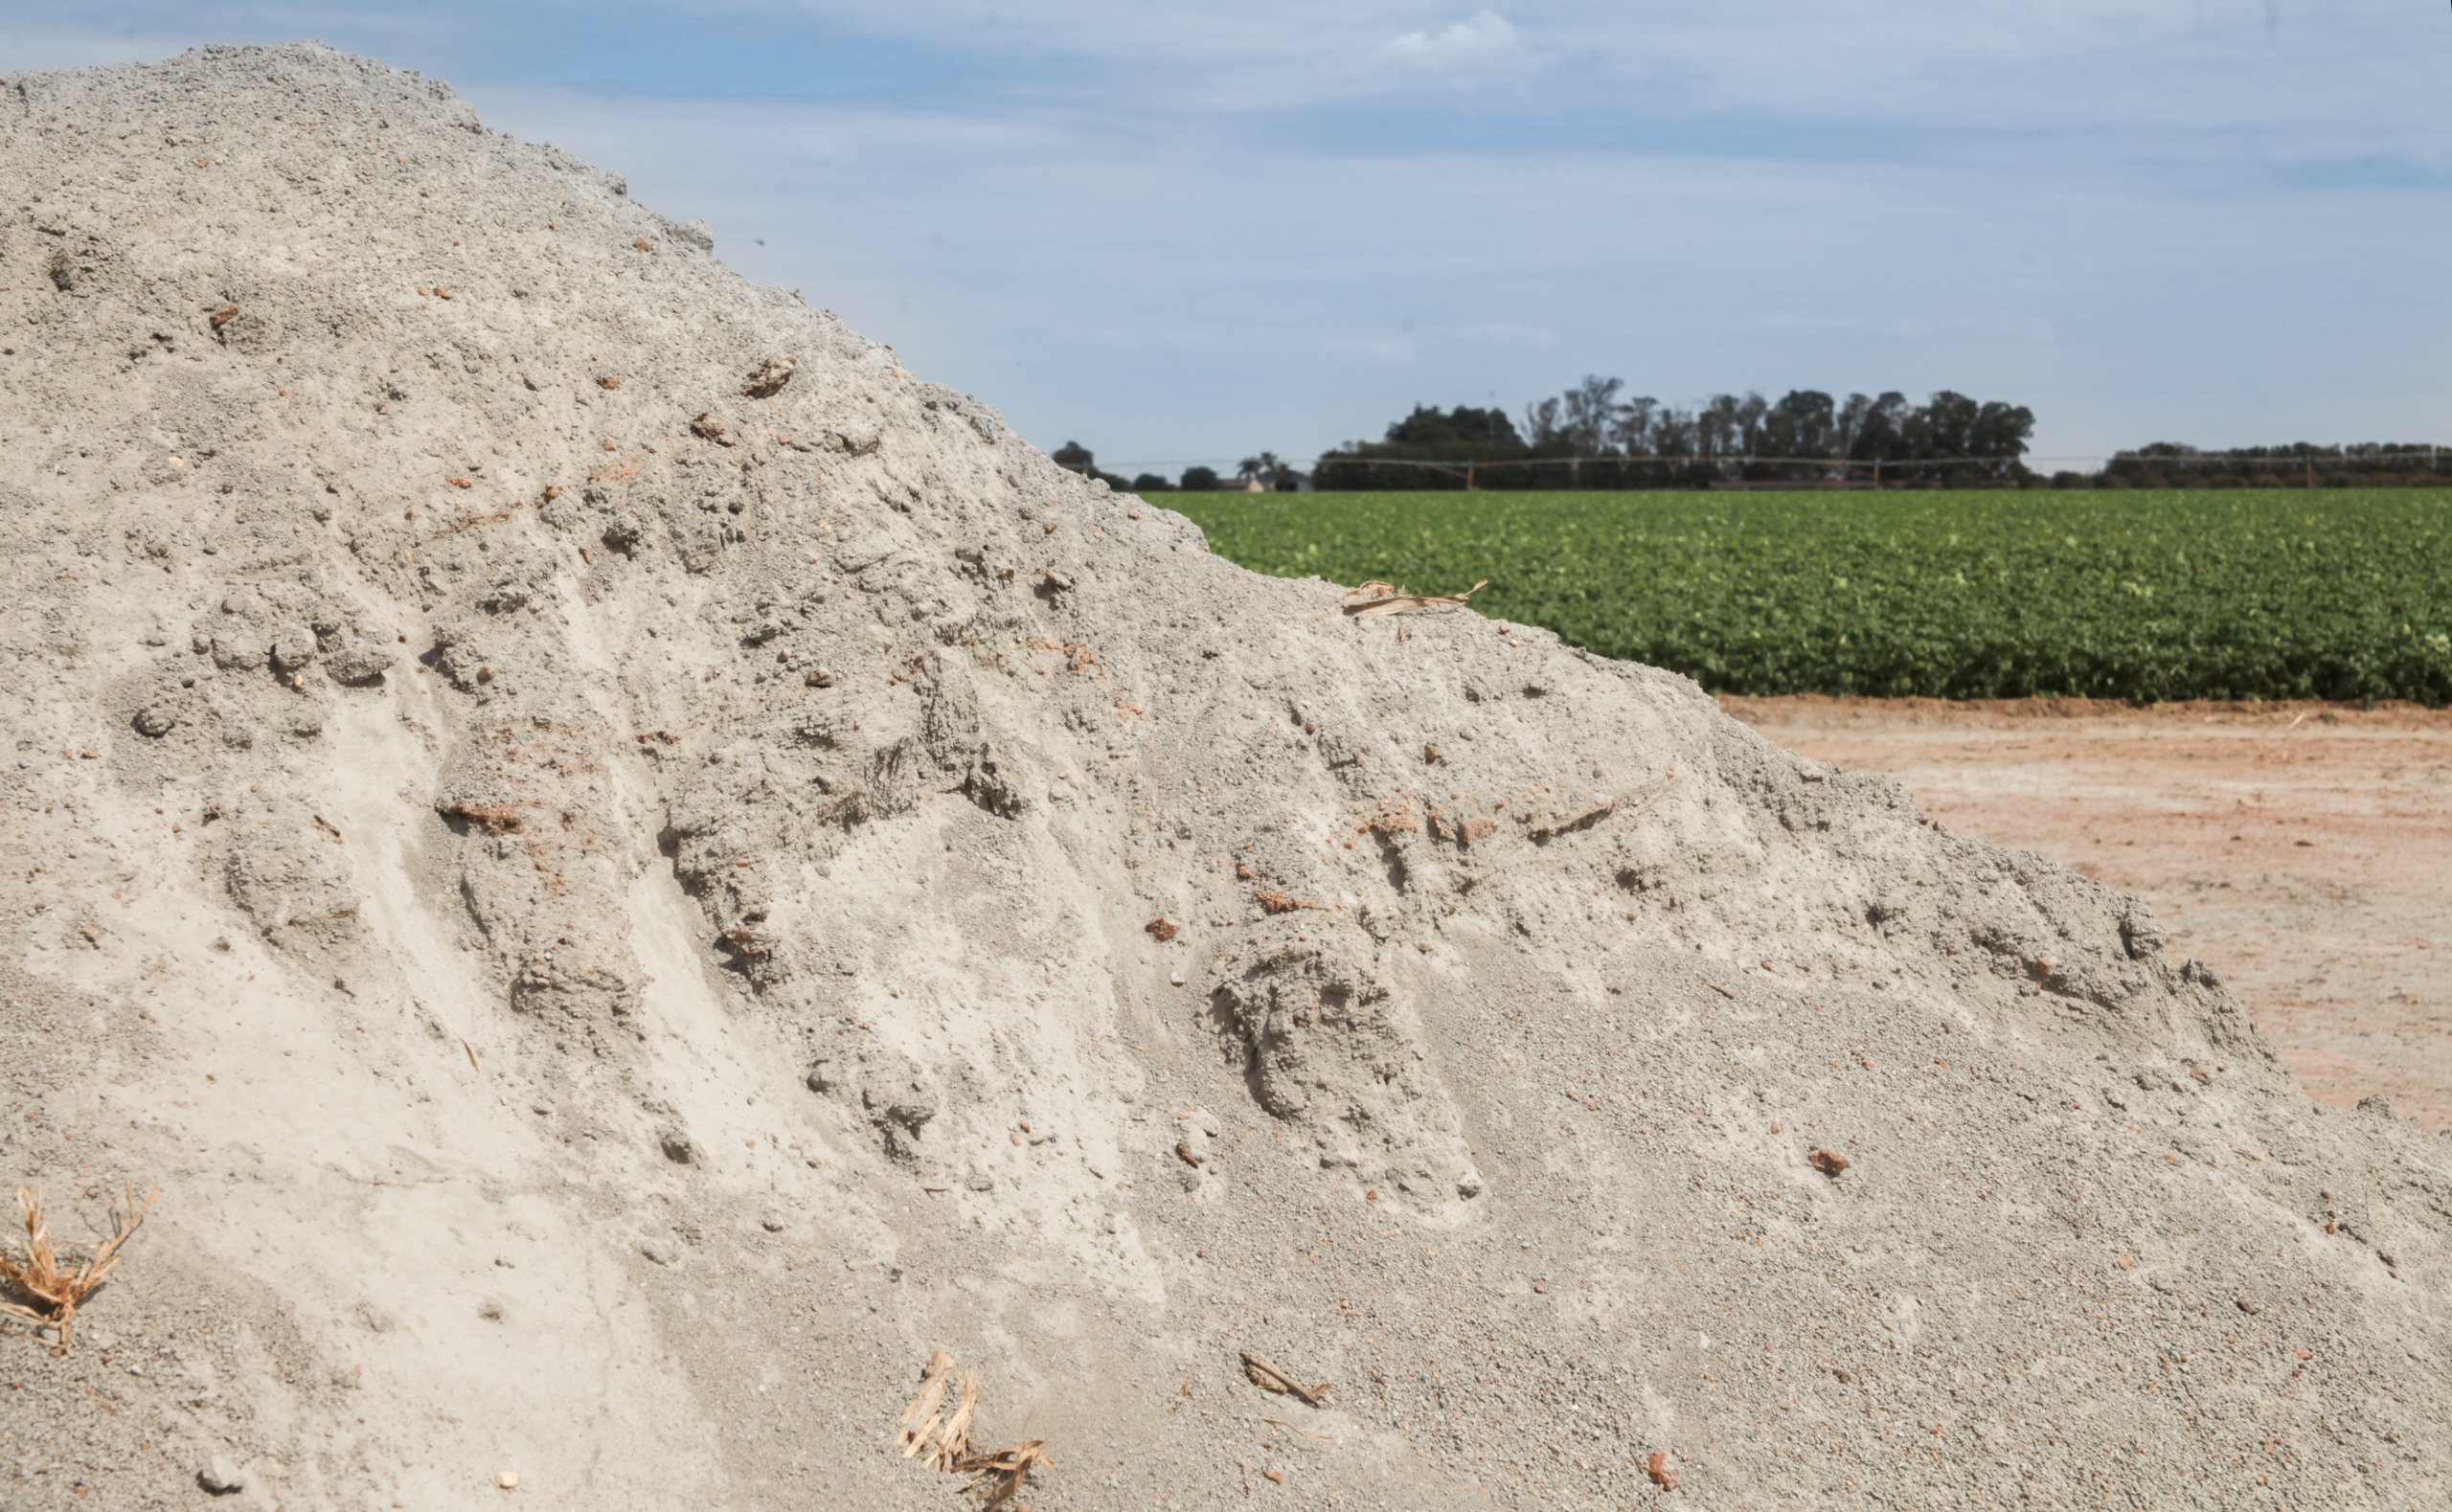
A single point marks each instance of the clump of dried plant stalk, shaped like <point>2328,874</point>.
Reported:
<point>944,1442</point>
<point>1269,1377</point>
<point>996,1475</point>
<point>38,1286</point>
<point>1375,598</point>
<point>925,1427</point>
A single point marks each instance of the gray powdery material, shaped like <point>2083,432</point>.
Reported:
<point>597,839</point>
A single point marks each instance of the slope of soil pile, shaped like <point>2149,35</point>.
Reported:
<point>2306,846</point>
<point>629,870</point>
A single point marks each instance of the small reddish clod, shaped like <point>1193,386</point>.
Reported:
<point>1164,928</point>
<point>463,483</point>
<point>1663,1475</point>
<point>1829,1161</point>
<point>608,383</point>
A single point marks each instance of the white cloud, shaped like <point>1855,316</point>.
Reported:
<point>1474,39</point>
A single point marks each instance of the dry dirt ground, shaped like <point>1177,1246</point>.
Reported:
<point>2304,850</point>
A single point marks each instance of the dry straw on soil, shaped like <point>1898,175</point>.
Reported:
<point>995,1475</point>
<point>1375,598</point>
<point>47,1293</point>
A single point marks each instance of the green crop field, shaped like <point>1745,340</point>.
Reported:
<point>2251,593</point>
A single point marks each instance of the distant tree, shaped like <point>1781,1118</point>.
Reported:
<point>1488,427</point>
<point>1848,424</point>
<point>2002,431</point>
<point>1944,427</point>
<point>1273,469</point>
<point>1199,479</point>
<point>1880,429</point>
<point>1717,429</point>
<point>1543,424</point>
<point>1248,469</point>
<point>1802,424</point>
<point>1747,425</point>
<point>1671,433</point>
<point>1430,426</point>
<point>1636,429</point>
<point>1590,414</point>
<point>1150,483</point>
<point>1074,457</point>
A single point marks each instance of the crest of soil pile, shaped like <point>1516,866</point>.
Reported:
<point>605,846</point>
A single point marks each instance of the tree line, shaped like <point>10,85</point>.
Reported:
<point>2366,464</point>
<point>1596,435</point>
<point>1266,468</point>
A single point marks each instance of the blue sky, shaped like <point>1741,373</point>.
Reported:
<point>1182,231</point>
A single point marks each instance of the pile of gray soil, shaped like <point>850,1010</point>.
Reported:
<point>628,869</point>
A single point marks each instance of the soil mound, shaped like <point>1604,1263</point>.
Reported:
<point>629,870</point>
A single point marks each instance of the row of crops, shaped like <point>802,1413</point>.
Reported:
<point>2143,595</point>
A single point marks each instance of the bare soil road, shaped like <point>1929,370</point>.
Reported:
<point>2302,850</point>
